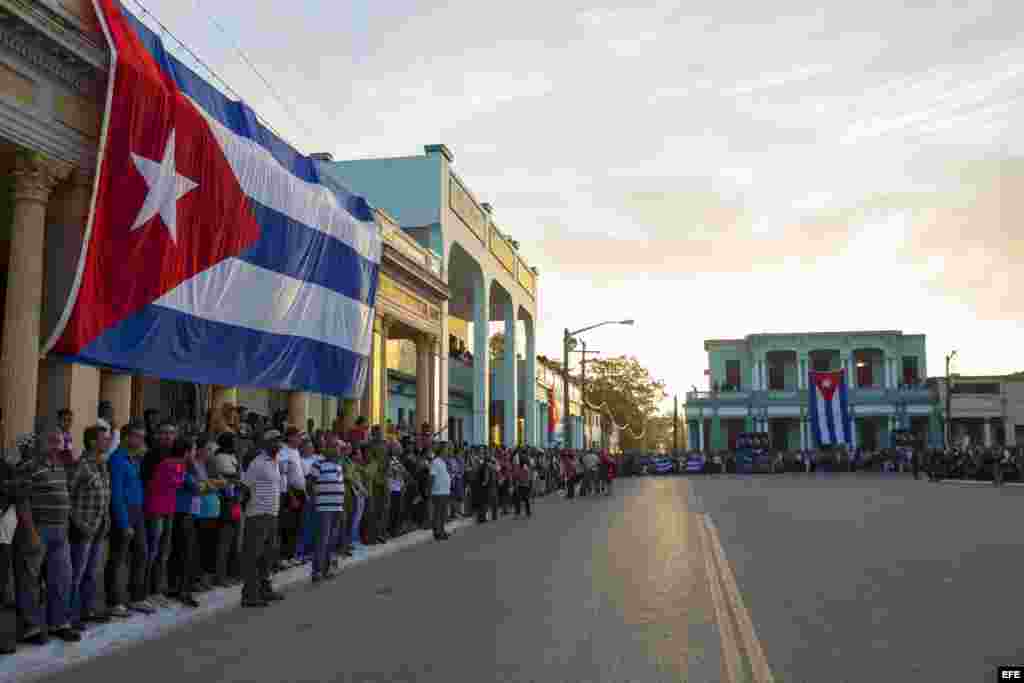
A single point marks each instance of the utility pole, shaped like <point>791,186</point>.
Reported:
<point>675,426</point>
<point>583,392</point>
<point>567,420</point>
<point>949,403</point>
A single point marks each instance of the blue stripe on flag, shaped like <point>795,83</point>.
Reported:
<point>152,340</point>
<point>844,406</point>
<point>232,113</point>
<point>291,248</point>
<point>812,408</point>
<point>830,420</point>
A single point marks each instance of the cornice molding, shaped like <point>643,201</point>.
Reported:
<point>417,271</point>
<point>53,44</point>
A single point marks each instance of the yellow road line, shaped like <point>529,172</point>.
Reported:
<point>730,650</point>
<point>758,662</point>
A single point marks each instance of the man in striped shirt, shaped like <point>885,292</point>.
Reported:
<point>327,486</point>
<point>47,487</point>
<point>263,481</point>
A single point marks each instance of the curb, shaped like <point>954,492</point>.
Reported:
<point>975,482</point>
<point>32,662</point>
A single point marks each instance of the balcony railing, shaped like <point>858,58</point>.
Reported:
<point>404,243</point>
<point>864,395</point>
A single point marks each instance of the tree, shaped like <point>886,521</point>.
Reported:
<point>660,430</point>
<point>631,395</point>
<point>497,345</point>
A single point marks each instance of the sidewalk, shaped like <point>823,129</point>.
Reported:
<point>32,661</point>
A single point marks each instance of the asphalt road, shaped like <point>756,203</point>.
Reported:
<point>842,577</point>
<point>872,577</point>
<point>605,589</point>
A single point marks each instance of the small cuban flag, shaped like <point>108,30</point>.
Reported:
<point>829,408</point>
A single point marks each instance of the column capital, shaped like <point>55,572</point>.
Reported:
<point>82,178</point>
<point>35,176</point>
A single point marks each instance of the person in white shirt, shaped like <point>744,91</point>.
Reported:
<point>263,480</point>
<point>307,534</point>
<point>293,496</point>
<point>440,489</point>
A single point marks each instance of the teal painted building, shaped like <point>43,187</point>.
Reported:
<point>759,383</point>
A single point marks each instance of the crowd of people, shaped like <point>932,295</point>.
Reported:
<point>134,520</point>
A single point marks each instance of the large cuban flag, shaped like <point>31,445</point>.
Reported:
<point>213,252</point>
<point>829,408</point>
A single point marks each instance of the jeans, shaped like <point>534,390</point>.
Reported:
<point>158,545</point>
<point>56,552</point>
<point>185,553</point>
<point>357,516</point>
<point>395,523</point>
<point>129,565</point>
<point>85,557</point>
<point>440,513</point>
<point>328,524</point>
<point>523,498</point>
<point>259,555</point>
<point>226,544</point>
<point>307,539</point>
<point>8,616</point>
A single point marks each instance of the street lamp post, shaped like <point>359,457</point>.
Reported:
<point>567,339</point>
<point>949,402</point>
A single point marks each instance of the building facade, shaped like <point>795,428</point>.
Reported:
<point>759,383</point>
<point>53,68</point>
<point>987,410</point>
<point>488,282</point>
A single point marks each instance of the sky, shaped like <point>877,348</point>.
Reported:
<point>709,169</point>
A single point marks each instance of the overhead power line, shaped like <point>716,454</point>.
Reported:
<point>223,83</point>
<point>248,62</point>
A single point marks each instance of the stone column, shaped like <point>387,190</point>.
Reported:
<point>510,379</point>
<point>700,434</point>
<point>349,408</point>
<point>365,408</point>
<point>330,412</point>
<point>34,180</point>
<point>117,388</point>
<point>481,362</point>
<point>434,414</point>
<point>530,388</point>
<point>382,378</point>
<point>423,343</point>
<point>219,397</point>
<point>987,433</point>
<point>298,408</point>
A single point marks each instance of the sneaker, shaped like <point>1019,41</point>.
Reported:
<point>160,601</point>
<point>188,601</point>
<point>255,603</point>
<point>142,607</point>
<point>68,634</point>
<point>97,618</point>
<point>35,636</point>
<point>316,578</point>
<point>272,596</point>
<point>120,612</point>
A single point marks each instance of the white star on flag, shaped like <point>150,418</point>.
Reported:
<point>166,187</point>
